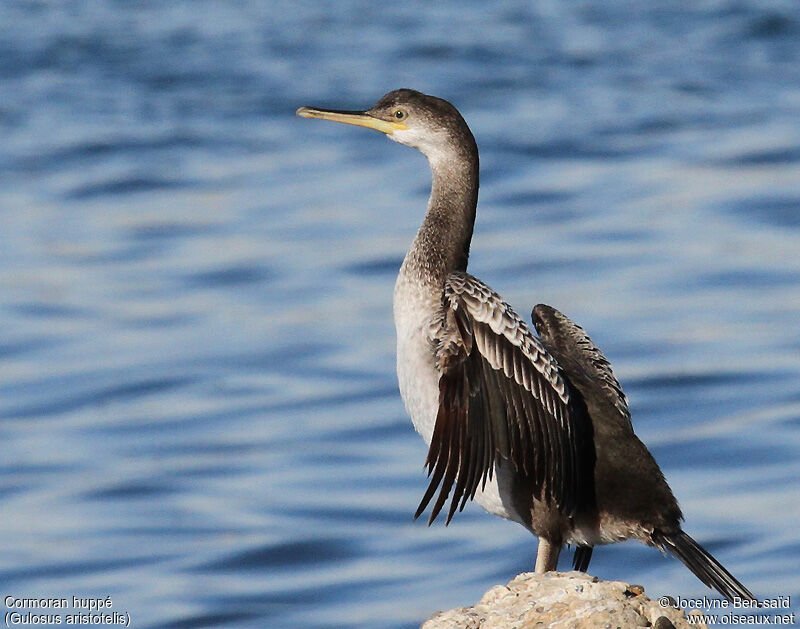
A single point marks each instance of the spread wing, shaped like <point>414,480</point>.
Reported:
<point>501,400</point>
<point>584,366</point>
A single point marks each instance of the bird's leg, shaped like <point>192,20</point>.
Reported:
<point>547,556</point>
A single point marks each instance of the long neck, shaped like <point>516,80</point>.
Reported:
<point>442,242</point>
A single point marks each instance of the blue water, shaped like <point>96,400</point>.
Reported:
<point>198,406</point>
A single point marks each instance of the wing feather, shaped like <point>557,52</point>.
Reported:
<point>502,401</point>
<point>584,364</point>
<point>589,373</point>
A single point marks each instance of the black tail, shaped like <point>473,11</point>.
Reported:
<point>705,567</point>
<point>583,555</point>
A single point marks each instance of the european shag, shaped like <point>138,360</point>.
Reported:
<point>535,430</point>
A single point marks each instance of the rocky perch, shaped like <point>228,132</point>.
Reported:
<point>562,600</point>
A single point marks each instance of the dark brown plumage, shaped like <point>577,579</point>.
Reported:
<point>629,487</point>
<point>500,398</point>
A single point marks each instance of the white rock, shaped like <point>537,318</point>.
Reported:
<point>559,600</point>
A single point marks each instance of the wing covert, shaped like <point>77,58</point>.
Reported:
<point>501,400</point>
<point>587,369</point>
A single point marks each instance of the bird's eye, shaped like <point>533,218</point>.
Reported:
<point>399,114</point>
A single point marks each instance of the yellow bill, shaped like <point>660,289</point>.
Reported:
<point>358,118</point>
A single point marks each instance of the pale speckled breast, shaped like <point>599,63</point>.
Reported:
<point>417,376</point>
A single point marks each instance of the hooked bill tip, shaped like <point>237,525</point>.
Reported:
<point>303,112</point>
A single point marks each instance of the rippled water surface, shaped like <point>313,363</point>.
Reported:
<point>198,406</point>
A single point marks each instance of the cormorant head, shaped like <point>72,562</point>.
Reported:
<point>426,123</point>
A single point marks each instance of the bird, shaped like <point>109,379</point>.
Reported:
<point>535,429</point>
